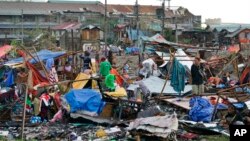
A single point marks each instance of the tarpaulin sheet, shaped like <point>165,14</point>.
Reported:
<point>201,109</point>
<point>86,100</point>
<point>80,84</point>
<point>43,56</point>
<point>10,78</point>
<point>4,50</point>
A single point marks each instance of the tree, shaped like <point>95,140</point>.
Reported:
<point>169,35</point>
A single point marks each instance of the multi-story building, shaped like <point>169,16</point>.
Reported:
<point>18,16</point>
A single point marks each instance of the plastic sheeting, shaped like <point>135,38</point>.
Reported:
<point>86,100</point>
<point>10,78</point>
<point>43,56</point>
<point>201,110</point>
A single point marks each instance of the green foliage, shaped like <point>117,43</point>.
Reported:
<point>168,34</point>
<point>15,43</point>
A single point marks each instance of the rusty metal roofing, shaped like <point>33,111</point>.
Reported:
<point>36,8</point>
<point>67,26</point>
<point>144,9</point>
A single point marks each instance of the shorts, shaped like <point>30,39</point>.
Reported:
<point>198,89</point>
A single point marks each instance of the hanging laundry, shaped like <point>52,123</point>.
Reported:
<point>178,76</point>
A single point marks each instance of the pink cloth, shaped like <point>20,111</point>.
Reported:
<point>4,50</point>
<point>57,116</point>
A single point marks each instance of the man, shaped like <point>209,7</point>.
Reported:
<point>246,78</point>
<point>197,77</point>
<point>86,61</point>
<point>105,68</point>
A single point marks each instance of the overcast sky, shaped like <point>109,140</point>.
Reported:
<point>229,11</point>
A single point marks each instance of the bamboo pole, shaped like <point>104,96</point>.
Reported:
<point>215,108</point>
<point>167,77</point>
<point>67,81</point>
<point>44,69</point>
<point>230,62</point>
<point>224,90</point>
<point>24,111</point>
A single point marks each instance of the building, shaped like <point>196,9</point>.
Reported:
<point>222,30</point>
<point>215,21</point>
<point>241,37</point>
<point>15,16</point>
<point>17,19</point>
<point>152,14</point>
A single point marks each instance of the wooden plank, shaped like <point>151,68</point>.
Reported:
<point>184,103</point>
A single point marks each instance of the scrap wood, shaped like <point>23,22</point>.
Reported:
<point>232,88</point>
<point>220,96</point>
<point>167,77</point>
<point>24,111</point>
<point>229,63</point>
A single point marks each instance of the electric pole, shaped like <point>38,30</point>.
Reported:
<point>137,27</point>
<point>163,18</point>
<point>105,28</point>
<point>22,26</point>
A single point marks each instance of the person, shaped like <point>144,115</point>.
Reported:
<point>120,50</point>
<point>150,63</point>
<point>197,77</point>
<point>226,79</point>
<point>68,71</point>
<point>21,76</point>
<point>105,68</point>
<point>86,61</point>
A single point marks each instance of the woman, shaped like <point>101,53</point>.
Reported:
<point>68,71</point>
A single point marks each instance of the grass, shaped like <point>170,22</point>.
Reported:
<point>214,138</point>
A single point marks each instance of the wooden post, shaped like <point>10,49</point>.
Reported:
<point>24,111</point>
<point>215,108</point>
<point>171,56</point>
<point>44,69</point>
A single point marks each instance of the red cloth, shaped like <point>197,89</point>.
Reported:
<point>118,77</point>
<point>21,53</point>
<point>36,76</point>
<point>243,75</point>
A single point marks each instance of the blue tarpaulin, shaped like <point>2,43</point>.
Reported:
<point>10,79</point>
<point>86,100</point>
<point>132,50</point>
<point>43,56</point>
<point>132,34</point>
<point>201,109</point>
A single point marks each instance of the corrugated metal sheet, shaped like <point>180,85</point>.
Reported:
<point>158,85</point>
<point>15,8</point>
<point>67,26</point>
